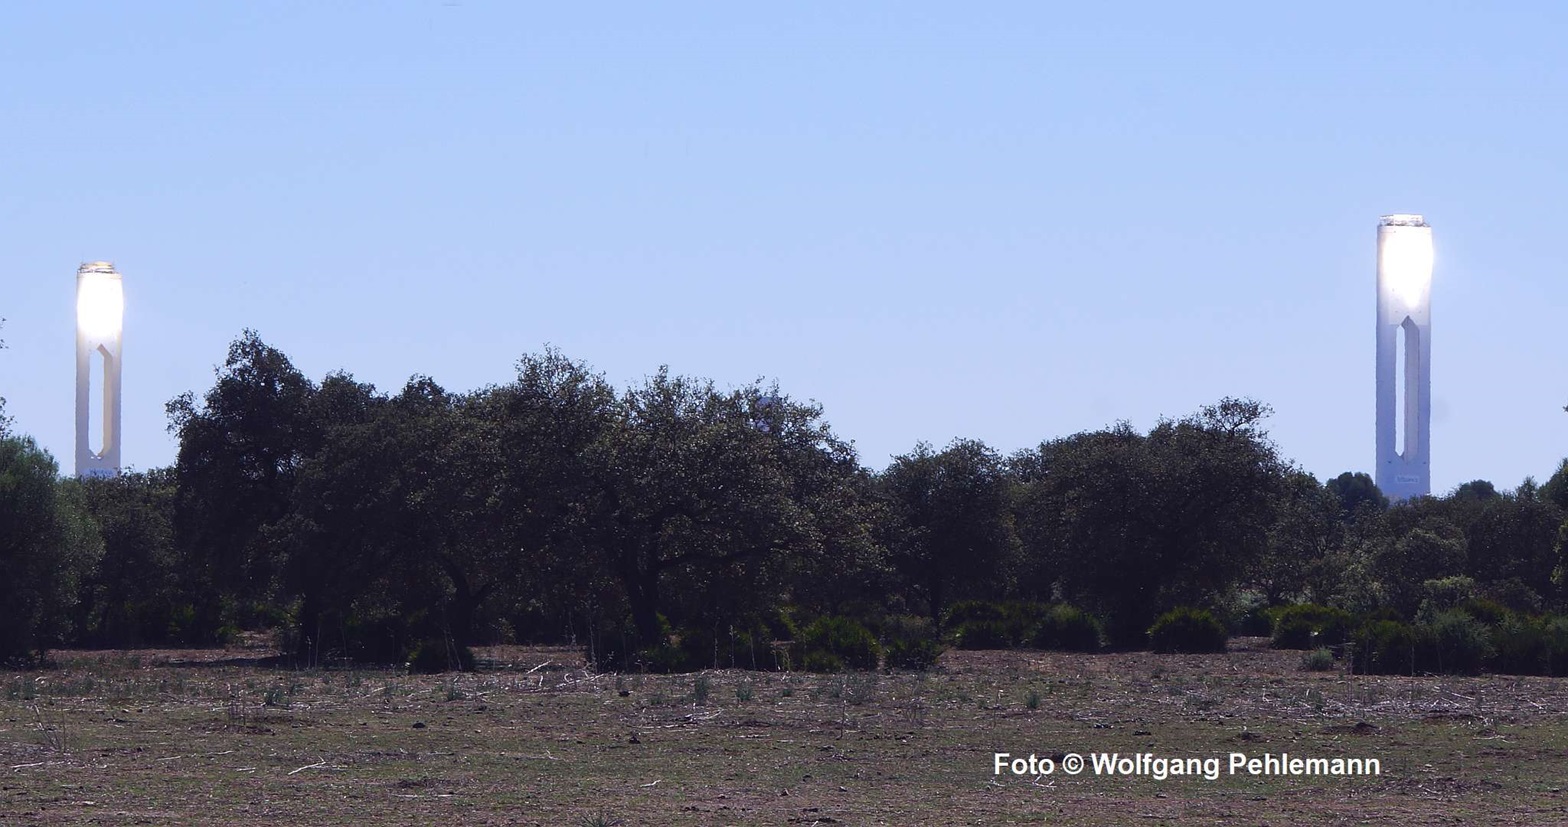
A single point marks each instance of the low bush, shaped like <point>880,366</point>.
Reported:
<point>840,639</point>
<point>735,646</point>
<point>980,624</point>
<point>1453,642</point>
<point>1309,626</point>
<point>1318,660</point>
<point>982,634</point>
<point>1067,629</point>
<point>910,643</point>
<point>1386,647</point>
<point>437,654</point>
<point>1519,646</point>
<point>1188,630</point>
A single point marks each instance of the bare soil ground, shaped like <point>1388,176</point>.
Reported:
<point>227,737</point>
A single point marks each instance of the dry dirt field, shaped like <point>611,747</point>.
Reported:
<point>230,737</point>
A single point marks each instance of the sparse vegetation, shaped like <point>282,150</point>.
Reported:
<point>413,755</point>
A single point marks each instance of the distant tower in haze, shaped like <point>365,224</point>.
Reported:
<point>100,315</point>
<point>1404,356</point>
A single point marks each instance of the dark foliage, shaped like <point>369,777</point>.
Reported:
<point>1188,630</point>
<point>1309,626</point>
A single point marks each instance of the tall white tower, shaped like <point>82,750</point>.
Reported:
<point>100,315</point>
<point>1404,356</point>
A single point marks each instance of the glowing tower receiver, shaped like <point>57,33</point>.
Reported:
<point>1404,346</point>
<point>100,314</point>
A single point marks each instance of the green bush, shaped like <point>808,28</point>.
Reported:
<point>982,634</point>
<point>737,646</point>
<point>1519,646</point>
<point>1453,642</point>
<point>1386,647</point>
<point>1067,629</point>
<point>1318,660</point>
<point>435,654</point>
<point>1309,626</point>
<point>662,659</point>
<point>841,639</point>
<point>817,660</point>
<point>910,643</point>
<point>1188,630</point>
<point>1554,636</point>
<point>966,610</point>
<point>980,624</point>
<point>1257,621</point>
<point>1487,611</point>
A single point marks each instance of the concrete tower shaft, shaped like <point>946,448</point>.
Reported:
<point>100,315</point>
<point>1404,346</point>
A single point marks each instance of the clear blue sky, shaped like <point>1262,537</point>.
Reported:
<point>1007,222</point>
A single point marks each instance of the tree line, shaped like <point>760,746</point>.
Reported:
<point>677,515</point>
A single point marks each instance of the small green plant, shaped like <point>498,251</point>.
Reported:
<point>854,689</point>
<point>276,696</point>
<point>1318,660</point>
<point>22,689</point>
<point>1188,630</point>
<point>743,692</point>
<point>599,820</point>
<point>700,690</point>
<point>1032,700</point>
<point>451,692</point>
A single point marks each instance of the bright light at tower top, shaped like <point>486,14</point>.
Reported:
<point>1405,256</point>
<point>100,300</point>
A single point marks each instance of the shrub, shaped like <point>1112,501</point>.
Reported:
<point>1187,630</point>
<point>1318,660</point>
<point>985,625</point>
<point>1066,629</point>
<point>966,610</point>
<point>737,646</point>
<point>1454,642</point>
<point>1386,647</point>
<point>819,661</point>
<point>435,654</point>
<point>1485,610</point>
<point>662,659</point>
<point>1554,636</point>
<point>1448,592</point>
<point>841,639</point>
<point>982,634</point>
<point>1519,646</point>
<point>1309,626</point>
<point>910,643</point>
<point>1257,621</point>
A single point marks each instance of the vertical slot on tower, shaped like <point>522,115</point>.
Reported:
<point>1401,403</point>
<point>97,388</point>
<point>1410,386</point>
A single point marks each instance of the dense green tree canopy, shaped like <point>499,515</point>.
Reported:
<point>47,545</point>
<point>1138,524</point>
<point>674,515</point>
<point>953,537</point>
